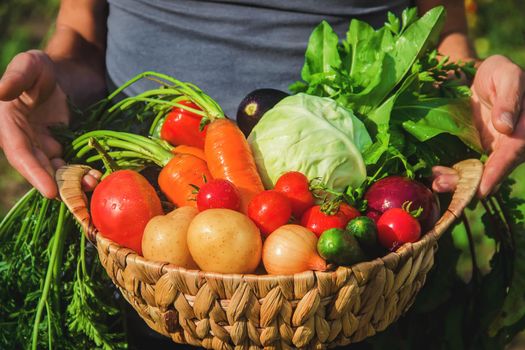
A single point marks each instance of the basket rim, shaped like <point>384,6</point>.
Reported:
<point>69,183</point>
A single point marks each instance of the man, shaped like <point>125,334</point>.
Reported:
<point>228,48</point>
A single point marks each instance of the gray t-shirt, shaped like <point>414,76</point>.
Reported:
<point>227,47</point>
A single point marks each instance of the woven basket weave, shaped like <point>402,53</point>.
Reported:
<point>305,310</point>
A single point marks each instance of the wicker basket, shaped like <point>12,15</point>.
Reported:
<point>305,310</point>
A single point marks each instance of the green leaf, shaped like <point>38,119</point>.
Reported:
<point>417,38</point>
<point>408,17</point>
<point>427,118</point>
<point>367,52</point>
<point>377,122</point>
<point>393,23</point>
<point>381,61</point>
<point>322,52</point>
<point>367,69</point>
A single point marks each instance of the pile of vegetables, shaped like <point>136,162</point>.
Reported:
<point>238,216</point>
<point>331,175</point>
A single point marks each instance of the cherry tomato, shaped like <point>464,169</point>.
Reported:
<point>348,212</point>
<point>218,194</point>
<point>295,186</point>
<point>318,222</point>
<point>269,210</point>
<point>397,227</point>
<point>181,127</point>
<point>121,206</point>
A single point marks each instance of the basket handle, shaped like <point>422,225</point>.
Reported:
<point>469,172</point>
<point>69,181</point>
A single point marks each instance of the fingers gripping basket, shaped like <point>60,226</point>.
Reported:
<point>310,309</point>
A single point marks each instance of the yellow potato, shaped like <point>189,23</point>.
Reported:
<point>225,241</point>
<point>164,238</point>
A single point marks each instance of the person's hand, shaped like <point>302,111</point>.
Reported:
<point>498,106</point>
<point>31,101</point>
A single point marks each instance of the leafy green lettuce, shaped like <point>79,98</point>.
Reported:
<point>313,135</point>
<point>394,81</point>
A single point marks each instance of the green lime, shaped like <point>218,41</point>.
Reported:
<point>337,246</point>
<point>364,230</point>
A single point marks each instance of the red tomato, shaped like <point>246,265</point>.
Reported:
<point>218,194</point>
<point>318,222</point>
<point>296,187</point>
<point>269,210</point>
<point>181,127</point>
<point>348,212</point>
<point>397,227</point>
<point>121,206</point>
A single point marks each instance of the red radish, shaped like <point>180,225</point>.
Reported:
<point>269,210</point>
<point>318,222</point>
<point>393,191</point>
<point>182,127</point>
<point>397,227</point>
<point>296,187</point>
<point>121,206</point>
<point>218,194</point>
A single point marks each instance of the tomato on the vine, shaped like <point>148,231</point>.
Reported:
<point>397,227</point>
<point>269,210</point>
<point>218,193</point>
<point>182,127</point>
<point>295,186</point>
<point>318,222</point>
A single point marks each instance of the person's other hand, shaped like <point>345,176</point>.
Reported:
<point>31,101</point>
<point>498,106</point>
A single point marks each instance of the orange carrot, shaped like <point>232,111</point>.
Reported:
<point>229,157</point>
<point>179,174</point>
<point>194,151</point>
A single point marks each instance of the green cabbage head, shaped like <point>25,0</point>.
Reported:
<point>313,135</point>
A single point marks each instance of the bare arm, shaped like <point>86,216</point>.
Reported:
<point>34,86</point>
<point>78,48</point>
<point>454,38</point>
